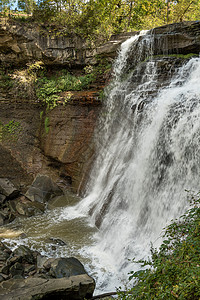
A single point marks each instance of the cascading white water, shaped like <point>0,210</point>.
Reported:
<point>148,154</point>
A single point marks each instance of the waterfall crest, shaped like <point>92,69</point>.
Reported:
<point>147,145</point>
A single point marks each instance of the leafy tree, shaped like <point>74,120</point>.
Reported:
<point>6,5</point>
<point>184,10</point>
<point>98,19</point>
<point>26,5</point>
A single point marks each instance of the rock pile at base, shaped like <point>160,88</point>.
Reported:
<point>25,274</point>
<point>13,203</point>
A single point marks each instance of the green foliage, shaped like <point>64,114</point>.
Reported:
<point>175,267</point>
<point>22,81</point>
<point>41,114</point>
<point>35,68</point>
<point>183,10</point>
<point>47,89</point>
<point>10,131</point>
<point>5,80</point>
<point>46,125</point>
<point>97,20</point>
<point>26,5</point>
<point>102,95</point>
<point>5,6</point>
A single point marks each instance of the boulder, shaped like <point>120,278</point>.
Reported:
<point>66,267</point>
<point>24,254</point>
<point>56,241</point>
<point>28,208</point>
<point>20,206</point>
<point>7,189</point>
<point>2,198</point>
<point>42,260</point>
<point>16,269</point>
<point>75,287</point>
<point>43,189</point>
<point>6,217</point>
<point>2,219</point>
<point>4,249</point>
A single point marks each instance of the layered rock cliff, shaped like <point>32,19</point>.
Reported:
<point>61,142</point>
<point>22,43</point>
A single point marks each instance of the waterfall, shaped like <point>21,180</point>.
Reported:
<point>148,155</point>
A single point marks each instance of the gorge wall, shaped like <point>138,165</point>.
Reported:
<point>66,149</point>
<point>65,152</point>
<point>21,43</point>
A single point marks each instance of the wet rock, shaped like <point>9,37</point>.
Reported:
<point>47,263</point>
<point>16,269</point>
<point>18,276</point>
<point>24,254</point>
<point>7,189</point>
<point>45,279</point>
<point>5,269</point>
<point>13,259</point>
<point>2,219</point>
<point>4,248</point>
<point>43,189</point>
<point>4,276</point>
<point>2,198</point>
<point>8,233</point>
<point>66,267</point>
<point>23,235</point>
<point>29,268</point>
<point>110,48</point>
<point>41,260</point>
<point>1,278</point>
<point>4,256</point>
<point>56,241</point>
<point>75,287</point>
<point>28,208</point>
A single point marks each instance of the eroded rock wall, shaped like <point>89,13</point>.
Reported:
<point>69,141</point>
<point>23,43</point>
<point>63,148</point>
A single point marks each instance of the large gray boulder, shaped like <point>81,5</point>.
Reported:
<point>66,267</point>
<point>73,288</point>
<point>43,189</point>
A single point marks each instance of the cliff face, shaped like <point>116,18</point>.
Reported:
<point>63,148</point>
<point>61,142</point>
<point>22,43</point>
<point>69,143</point>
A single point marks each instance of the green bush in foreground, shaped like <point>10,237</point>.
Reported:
<point>175,268</point>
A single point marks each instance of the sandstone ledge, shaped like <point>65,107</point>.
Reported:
<point>23,43</point>
<point>74,287</point>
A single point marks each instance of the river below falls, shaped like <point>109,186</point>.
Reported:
<point>37,232</point>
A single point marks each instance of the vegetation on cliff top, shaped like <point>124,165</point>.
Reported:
<point>101,18</point>
<point>175,268</point>
<point>35,81</point>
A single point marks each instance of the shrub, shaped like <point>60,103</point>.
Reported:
<point>47,89</point>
